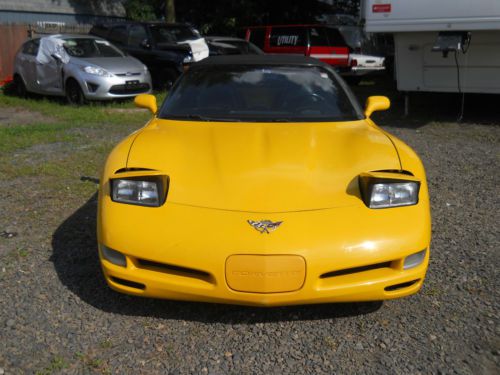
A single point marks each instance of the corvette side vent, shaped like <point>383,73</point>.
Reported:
<point>350,271</point>
<point>174,270</point>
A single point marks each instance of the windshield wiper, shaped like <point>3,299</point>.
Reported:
<point>283,119</point>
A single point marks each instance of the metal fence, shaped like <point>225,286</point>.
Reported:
<point>13,35</point>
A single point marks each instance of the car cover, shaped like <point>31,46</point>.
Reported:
<point>198,47</point>
<point>48,69</point>
<point>49,46</point>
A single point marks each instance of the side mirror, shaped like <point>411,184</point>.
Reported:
<point>376,103</point>
<point>56,57</point>
<point>145,44</point>
<point>146,101</point>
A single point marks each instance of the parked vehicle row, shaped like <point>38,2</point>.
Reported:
<point>124,59</point>
<point>326,43</point>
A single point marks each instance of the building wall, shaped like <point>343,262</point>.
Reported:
<point>113,8</point>
<point>7,17</point>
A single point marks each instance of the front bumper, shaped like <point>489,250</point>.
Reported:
<point>360,71</point>
<point>182,253</point>
<point>114,87</point>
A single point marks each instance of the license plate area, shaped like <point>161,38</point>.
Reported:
<point>265,273</point>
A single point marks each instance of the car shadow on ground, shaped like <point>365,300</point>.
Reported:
<point>76,263</point>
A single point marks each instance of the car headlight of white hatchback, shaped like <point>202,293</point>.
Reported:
<point>143,191</point>
<point>95,70</point>
<point>386,192</point>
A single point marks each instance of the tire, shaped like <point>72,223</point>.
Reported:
<point>20,87</point>
<point>74,93</point>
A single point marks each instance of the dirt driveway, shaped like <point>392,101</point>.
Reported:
<point>57,315</point>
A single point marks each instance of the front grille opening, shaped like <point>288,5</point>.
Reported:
<point>127,74</point>
<point>392,288</point>
<point>350,271</point>
<point>92,86</point>
<point>174,270</point>
<point>135,88</point>
<point>130,284</point>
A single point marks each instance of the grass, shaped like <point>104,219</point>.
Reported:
<point>46,147</point>
<point>57,140</point>
<point>91,114</point>
<point>56,364</point>
<point>24,136</point>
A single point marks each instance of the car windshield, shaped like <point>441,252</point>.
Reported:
<point>259,93</point>
<point>173,34</point>
<point>87,48</point>
<point>244,47</point>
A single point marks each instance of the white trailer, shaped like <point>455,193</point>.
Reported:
<point>416,25</point>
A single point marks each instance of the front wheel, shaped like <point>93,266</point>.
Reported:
<point>74,93</point>
<point>20,87</point>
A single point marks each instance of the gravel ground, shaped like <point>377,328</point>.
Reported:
<point>57,315</point>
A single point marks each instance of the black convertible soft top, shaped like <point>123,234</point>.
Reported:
<point>262,60</point>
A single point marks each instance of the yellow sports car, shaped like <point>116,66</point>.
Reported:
<point>261,181</point>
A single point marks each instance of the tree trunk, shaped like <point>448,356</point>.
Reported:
<point>169,11</point>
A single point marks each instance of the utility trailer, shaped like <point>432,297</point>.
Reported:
<point>441,45</point>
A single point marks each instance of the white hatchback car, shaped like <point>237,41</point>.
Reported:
<point>80,67</point>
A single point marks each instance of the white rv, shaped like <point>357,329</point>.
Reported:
<point>441,45</point>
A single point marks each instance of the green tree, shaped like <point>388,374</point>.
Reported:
<point>138,10</point>
<point>169,11</point>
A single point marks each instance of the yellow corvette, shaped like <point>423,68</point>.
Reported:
<point>261,181</point>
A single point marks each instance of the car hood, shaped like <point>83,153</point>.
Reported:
<point>116,65</point>
<point>263,167</point>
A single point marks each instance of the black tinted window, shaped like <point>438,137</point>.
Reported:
<point>31,47</point>
<point>136,35</point>
<point>118,35</point>
<point>335,38</point>
<point>288,37</point>
<point>173,34</point>
<point>258,93</point>
<point>317,37</point>
<point>244,47</point>
<point>258,37</point>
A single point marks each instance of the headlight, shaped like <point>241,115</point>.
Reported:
<point>187,59</point>
<point>96,71</point>
<point>414,260</point>
<point>142,191</point>
<point>385,193</point>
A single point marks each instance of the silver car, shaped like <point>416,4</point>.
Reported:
<point>80,67</point>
